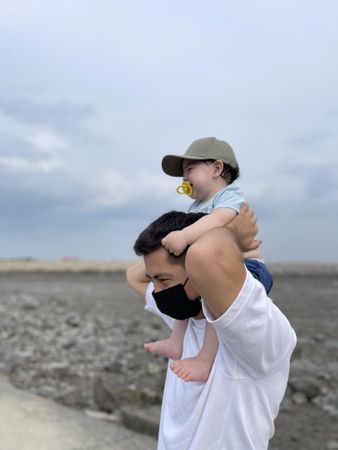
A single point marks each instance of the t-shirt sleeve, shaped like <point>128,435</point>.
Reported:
<point>254,330</point>
<point>152,307</point>
<point>230,197</point>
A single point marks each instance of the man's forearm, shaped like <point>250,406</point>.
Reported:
<point>136,278</point>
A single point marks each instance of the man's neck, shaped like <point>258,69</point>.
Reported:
<point>199,316</point>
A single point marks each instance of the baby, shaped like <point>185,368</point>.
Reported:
<point>209,167</point>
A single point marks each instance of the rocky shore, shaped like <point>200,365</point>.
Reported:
<point>78,338</point>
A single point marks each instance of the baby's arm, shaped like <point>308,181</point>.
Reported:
<point>177,241</point>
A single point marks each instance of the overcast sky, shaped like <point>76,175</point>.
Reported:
<point>94,94</point>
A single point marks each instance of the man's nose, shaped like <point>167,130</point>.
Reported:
<point>157,288</point>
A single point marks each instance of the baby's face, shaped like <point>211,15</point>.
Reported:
<point>200,175</point>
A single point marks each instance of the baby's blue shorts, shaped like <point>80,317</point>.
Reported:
<point>259,271</point>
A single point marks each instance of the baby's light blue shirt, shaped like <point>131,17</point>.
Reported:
<point>229,197</point>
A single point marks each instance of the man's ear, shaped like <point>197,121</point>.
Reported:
<point>219,167</point>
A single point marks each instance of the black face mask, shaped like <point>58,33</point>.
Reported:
<point>175,303</point>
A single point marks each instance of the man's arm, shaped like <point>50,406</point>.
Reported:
<point>136,278</point>
<point>214,263</point>
<point>176,241</point>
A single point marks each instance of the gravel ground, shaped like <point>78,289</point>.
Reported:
<point>78,339</point>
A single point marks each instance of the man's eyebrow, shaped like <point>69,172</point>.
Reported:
<point>158,275</point>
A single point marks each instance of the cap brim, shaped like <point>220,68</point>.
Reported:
<point>172,164</point>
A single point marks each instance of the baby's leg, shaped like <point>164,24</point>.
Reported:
<point>199,367</point>
<point>171,347</point>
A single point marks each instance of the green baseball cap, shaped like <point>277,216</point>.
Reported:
<point>205,148</point>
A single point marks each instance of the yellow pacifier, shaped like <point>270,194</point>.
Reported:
<point>184,188</point>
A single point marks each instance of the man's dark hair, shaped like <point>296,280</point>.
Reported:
<point>150,238</point>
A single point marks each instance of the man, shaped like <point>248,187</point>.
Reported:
<point>236,407</point>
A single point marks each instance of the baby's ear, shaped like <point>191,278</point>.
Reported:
<point>219,166</point>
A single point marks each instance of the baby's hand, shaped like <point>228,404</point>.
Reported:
<point>175,242</point>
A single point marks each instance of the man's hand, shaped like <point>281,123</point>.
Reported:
<point>137,279</point>
<point>244,227</point>
<point>175,242</point>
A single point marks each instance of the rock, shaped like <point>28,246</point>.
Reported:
<point>325,376</point>
<point>24,355</point>
<point>310,387</point>
<point>57,369</point>
<point>114,366</point>
<point>75,398</point>
<point>28,302</point>
<point>133,327</point>
<point>319,337</point>
<point>332,445</point>
<point>299,398</point>
<point>68,343</point>
<point>73,319</point>
<point>153,368</point>
<point>142,420</point>
<point>152,396</point>
<point>103,416</point>
<point>286,405</point>
<point>329,403</point>
<point>111,393</point>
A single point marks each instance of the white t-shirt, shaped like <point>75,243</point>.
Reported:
<point>236,407</point>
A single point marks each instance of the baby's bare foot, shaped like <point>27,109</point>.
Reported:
<point>192,369</point>
<point>165,347</point>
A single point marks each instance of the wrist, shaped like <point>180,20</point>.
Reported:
<point>186,237</point>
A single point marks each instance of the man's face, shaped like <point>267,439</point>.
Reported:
<point>164,273</point>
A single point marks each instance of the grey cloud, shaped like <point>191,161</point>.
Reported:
<point>63,200</point>
<point>54,207</point>
<point>62,115</point>
<point>322,183</point>
<point>14,147</point>
<point>320,180</point>
<point>307,190</point>
<point>35,200</point>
